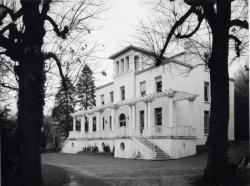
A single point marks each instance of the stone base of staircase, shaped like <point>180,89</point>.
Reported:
<point>159,153</point>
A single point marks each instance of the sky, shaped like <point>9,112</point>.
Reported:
<point>116,32</point>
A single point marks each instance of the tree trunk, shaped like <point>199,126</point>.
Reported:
<point>31,96</point>
<point>217,141</point>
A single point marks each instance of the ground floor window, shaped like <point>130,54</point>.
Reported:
<point>206,122</point>
<point>78,124</point>
<point>122,120</point>
<point>94,124</point>
<point>110,122</point>
<point>103,123</point>
<point>86,124</point>
<point>158,116</point>
<point>141,120</point>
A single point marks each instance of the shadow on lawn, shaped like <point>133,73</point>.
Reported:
<point>57,176</point>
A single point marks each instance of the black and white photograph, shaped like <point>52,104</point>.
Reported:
<point>124,93</point>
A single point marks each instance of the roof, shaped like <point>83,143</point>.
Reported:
<point>131,47</point>
<point>105,85</point>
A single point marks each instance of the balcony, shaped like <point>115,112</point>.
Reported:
<point>176,131</point>
<point>106,133</point>
<point>122,132</point>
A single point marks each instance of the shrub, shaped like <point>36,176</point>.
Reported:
<point>106,148</point>
<point>95,149</point>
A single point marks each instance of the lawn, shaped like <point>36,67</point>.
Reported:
<point>80,170</point>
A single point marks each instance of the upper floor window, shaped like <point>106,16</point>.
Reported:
<point>117,67</point>
<point>122,65</point>
<point>122,120</point>
<point>158,84</point>
<point>158,116</point>
<point>102,99</point>
<point>206,91</point>
<point>127,63</point>
<point>122,93</point>
<point>143,88</point>
<point>206,121</point>
<point>111,97</point>
<point>136,61</point>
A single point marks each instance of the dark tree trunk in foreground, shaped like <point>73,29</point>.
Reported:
<point>31,96</point>
<point>217,164</point>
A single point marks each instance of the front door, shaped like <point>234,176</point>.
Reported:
<point>141,121</point>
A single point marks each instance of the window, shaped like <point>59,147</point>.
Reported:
<point>141,121</point>
<point>158,84</point>
<point>111,97</point>
<point>122,120</point>
<point>206,91</point>
<point>78,124</point>
<point>110,122</point>
<point>136,61</point>
<point>103,123</point>
<point>143,88</point>
<point>94,124</point>
<point>127,63</point>
<point>122,65</point>
<point>86,124</point>
<point>102,99</point>
<point>206,121</point>
<point>117,67</point>
<point>122,93</point>
<point>158,116</point>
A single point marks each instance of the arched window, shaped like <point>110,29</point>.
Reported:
<point>122,119</point>
<point>78,124</point>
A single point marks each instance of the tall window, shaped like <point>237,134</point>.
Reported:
<point>127,63</point>
<point>102,99</point>
<point>122,65</point>
<point>122,120</point>
<point>158,116</point>
<point>136,61</point>
<point>110,122</point>
<point>122,93</point>
<point>78,124</point>
<point>86,124</point>
<point>94,123</point>
<point>103,123</point>
<point>141,121</point>
<point>206,91</point>
<point>143,88</point>
<point>111,97</point>
<point>206,121</point>
<point>158,84</point>
<point>117,67</point>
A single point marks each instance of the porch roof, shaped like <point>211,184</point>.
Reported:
<point>175,94</point>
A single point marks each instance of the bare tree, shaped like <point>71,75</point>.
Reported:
<point>23,29</point>
<point>211,27</point>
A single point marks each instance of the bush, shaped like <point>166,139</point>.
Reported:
<point>106,148</point>
<point>95,149</point>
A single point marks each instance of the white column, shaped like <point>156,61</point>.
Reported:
<point>133,118</point>
<point>170,112</point>
<point>91,123</point>
<point>74,124</point>
<point>98,120</point>
<point>146,118</point>
<point>113,111</point>
<point>191,105</point>
<point>83,123</point>
<point>130,120</point>
<point>149,118</point>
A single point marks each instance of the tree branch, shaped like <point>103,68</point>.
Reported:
<point>62,33</point>
<point>171,33</point>
<point>240,23</point>
<point>49,55</point>
<point>8,86</point>
<point>13,15</point>
<point>237,44</point>
<point>200,19</point>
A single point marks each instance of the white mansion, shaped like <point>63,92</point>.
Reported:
<point>147,111</point>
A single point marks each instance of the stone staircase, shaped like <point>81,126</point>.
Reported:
<point>160,154</point>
